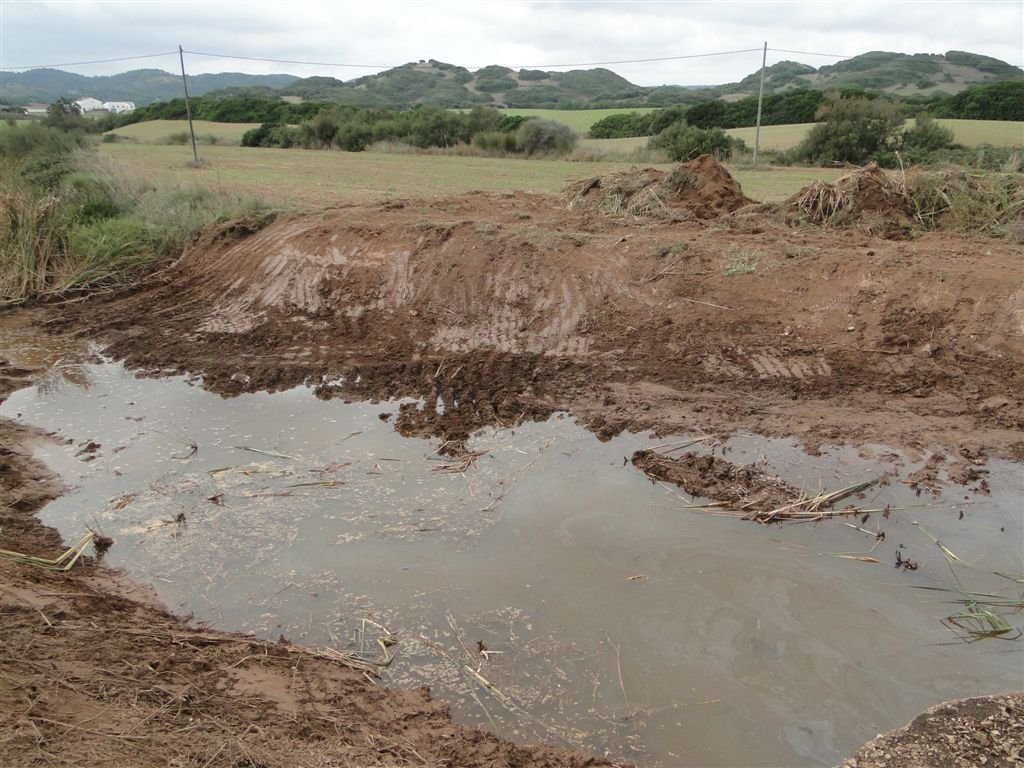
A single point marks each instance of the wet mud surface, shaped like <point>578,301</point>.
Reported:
<point>508,308</point>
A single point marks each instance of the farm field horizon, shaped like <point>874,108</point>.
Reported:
<point>298,177</point>
<point>999,133</point>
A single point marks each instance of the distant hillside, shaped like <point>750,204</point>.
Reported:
<point>143,86</point>
<point>449,85</point>
<point>899,73</point>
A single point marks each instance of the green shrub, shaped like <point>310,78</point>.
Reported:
<point>856,130</point>
<point>545,137</point>
<point>623,126</point>
<point>685,142</point>
<point>927,136</point>
<point>89,198</point>
<point>495,142</point>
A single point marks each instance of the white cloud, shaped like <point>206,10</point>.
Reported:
<point>510,33</point>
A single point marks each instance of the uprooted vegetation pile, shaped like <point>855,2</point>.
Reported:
<point>749,486</point>
<point>989,203</point>
<point>749,491</point>
<point>866,190</point>
<point>702,187</point>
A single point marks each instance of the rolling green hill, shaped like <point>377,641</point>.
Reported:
<point>448,85</point>
<point>900,73</point>
<point>142,86</point>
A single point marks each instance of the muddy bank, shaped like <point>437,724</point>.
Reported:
<point>986,731</point>
<point>503,308</point>
<point>95,673</point>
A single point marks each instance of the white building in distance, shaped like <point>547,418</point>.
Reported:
<point>117,107</point>
<point>89,104</point>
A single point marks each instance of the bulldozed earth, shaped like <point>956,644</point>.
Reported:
<point>633,304</point>
<point>497,308</point>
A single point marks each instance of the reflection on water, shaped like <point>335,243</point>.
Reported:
<point>601,613</point>
<point>57,358</point>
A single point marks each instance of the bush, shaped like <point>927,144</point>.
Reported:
<point>685,142</point>
<point>927,136</point>
<point>856,130</point>
<point>88,199</point>
<point>622,126</point>
<point>545,136</point>
<point>495,142</point>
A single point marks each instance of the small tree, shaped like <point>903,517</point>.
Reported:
<point>928,135</point>
<point>685,142</point>
<point>545,136</point>
<point>857,129</point>
<point>65,115</point>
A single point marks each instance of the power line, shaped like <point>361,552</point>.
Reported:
<point>635,61</point>
<point>519,66</point>
<point>386,66</point>
<point>95,61</point>
<point>290,61</point>
<point>809,53</point>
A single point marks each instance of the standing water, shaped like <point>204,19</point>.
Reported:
<point>543,586</point>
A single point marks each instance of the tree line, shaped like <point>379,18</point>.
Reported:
<point>353,129</point>
<point>995,101</point>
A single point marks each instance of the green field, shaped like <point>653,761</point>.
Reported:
<point>773,136</point>
<point>158,131</point>
<point>579,120</point>
<point>970,133</point>
<point>292,178</point>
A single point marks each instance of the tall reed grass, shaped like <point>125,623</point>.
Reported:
<point>98,225</point>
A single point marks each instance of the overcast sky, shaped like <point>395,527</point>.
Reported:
<point>385,33</point>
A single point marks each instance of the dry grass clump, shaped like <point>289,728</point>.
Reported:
<point>863,190</point>
<point>33,242</point>
<point>987,203</point>
<point>702,188</point>
<point>954,199</point>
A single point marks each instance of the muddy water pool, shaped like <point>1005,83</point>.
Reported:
<point>604,614</point>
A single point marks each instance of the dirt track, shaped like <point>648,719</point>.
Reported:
<point>504,308</point>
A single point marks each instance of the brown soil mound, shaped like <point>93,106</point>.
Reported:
<point>702,187</point>
<point>864,194</point>
<point>742,486</point>
<point>986,731</point>
<point>510,307</point>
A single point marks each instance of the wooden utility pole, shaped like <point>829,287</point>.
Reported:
<point>760,100</point>
<point>188,107</point>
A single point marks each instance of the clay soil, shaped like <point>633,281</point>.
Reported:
<point>504,308</point>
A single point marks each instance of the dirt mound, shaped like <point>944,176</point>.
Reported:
<point>702,187</point>
<point>746,486</point>
<point>863,194</point>
<point>510,307</point>
<point>988,731</point>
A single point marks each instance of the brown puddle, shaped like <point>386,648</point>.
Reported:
<point>604,614</point>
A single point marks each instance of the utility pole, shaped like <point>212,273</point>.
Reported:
<point>188,107</point>
<point>760,99</point>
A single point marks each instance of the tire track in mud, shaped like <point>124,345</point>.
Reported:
<point>523,316</point>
